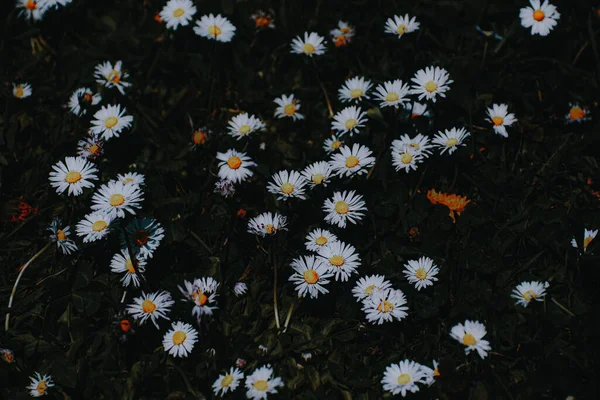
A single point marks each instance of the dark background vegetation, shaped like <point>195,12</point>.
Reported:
<point>530,195</point>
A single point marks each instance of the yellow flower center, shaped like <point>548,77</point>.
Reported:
<point>179,337</point>
<point>337,261</point>
<point>538,15</point>
<point>148,306</point>
<point>587,241</point>
<point>341,207</point>
<point>318,179</point>
<point>270,229</point>
<point>431,86</point>
<point>406,158</point>
<point>234,162</point>
<point>60,235</point>
<point>110,122</point>
<point>31,4</point>
<point>336,144</point>
<point>199,297</point>
<point>114,76</point>
<point>226,381</point>
<point>41,388</point>
<point>469,340</point>
<point>385,307</point>
<point>199,137</point>
<point>345,30</point>
<point>214,30</point>
<point>244,129</point>
<point>127,180</point>
<point>289,109</point>
<point>391,97</point>
<point>261,385</point>
<point>99,226</point>
<point>402,29</point>
<point>351,162</point>
<point>94,149</point>
<point>356,93</point>
<point>576,113</point>
<point>311,276</point>
<point>498,120</point>
<point>129,266</point>
<point>73,176</point>
<point>19,92</point>
<point>308,48</point>
<point>451,142</point>
<point>350,123</point>
<point>178,13</point>
<point>529,295</point>
<point>369,290</point>
<point>321,240</point>
<point>436,372</point>
<point>116,200</point>
<point>287,188</point>
<point>421,274</point>
<point>403,379</point>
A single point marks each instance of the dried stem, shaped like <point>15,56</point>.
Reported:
<point>275,306</point>
<point>289,316</point>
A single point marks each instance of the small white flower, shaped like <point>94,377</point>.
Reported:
<point>306,356</point>
<point>243,125</point>
<point>39,384</point>
<point>131,178</point>
<point>21,90</point>
<point>317,173</point>
<point>367,285</point>
<point>470,334</point>
<point>234,166</point>
<point>240,288</point>
<point>385,306</point>
<point>540,17</point>
<point>132,270</point>
<point>405,157</point>
<point>352,162</point>
<point>114,198</point>
<point>527,291</point>
<point>421,272</point>
<point>81,99</point>
<point>319,238</point>
<point>217,28</point>
<point>201,292</point>
<point>417,110</point>
<point>430,373</point>
<point>419,142</point>
<point>349,120</point>
<point>287,185</point>
<point>430,82</point>
<point>342,35</point>
<point>354,90</point>
<point>332,144</point>
<point>228,382</point>
<point>450,139</point>
<point>152,305</point>
<point>400,25</point>
<point>310,277</point>
<point>267,224</point>
<point>75,174</point>
<point>344,207</point>
<point>177,12</point>
<point>61,237</point>
<point>311,45</point>
<point>180,340</point>
<point>392,93</point>
<point>588,236</point>
<point>261,383</point>
<point>288,106</point>
<point>92,147</point>
<point>94,226</point>
<point>109,121</point>
<point>341,259</point>
<point>112,76</point>
<point>403,377</point>
<point>499,116</point>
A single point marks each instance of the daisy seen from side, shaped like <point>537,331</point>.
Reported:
<point>267,224</point>
<point>400,25</point>
<point>131,178</point>
<point>32,9</point>
<point>342,35</point>
<point>525,292</point>
<point>215,27</point>
<point>450,139</point>
<point>60,235</point>
<point>417,109</point>
<point>419,142</point>
<point>21,90</point>
<point>312,45</point>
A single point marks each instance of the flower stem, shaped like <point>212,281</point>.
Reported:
<point>275,306</point>
<point>289,316</point>
<point>323,88</point>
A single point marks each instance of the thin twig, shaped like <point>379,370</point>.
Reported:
<point>289,316</point>
<point>201,242</point>
<point>323,88</point>
<point>565,309</point>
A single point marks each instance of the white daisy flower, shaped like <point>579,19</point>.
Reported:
<point>228,382</point>
<point>367,285</point>
<point>470,334</point>
<point>131,178</point>
<point>317,173</point>
<point>92,147</point>
<point>267,224</point>
<point>431,82</point>
<point>354,89</point>
<point>577,113</point>
<point>421,272</point>
<point>81,99</point>
<point>180,340</point>
<point>392,93</point>
<point>430,373</point>
<point>341,259</point>
<point>499,116</point>
<point>419,142</point>
<point>39,384</point>
<point>417,110</point>
<point>588,236</point>
<point>143,236</point>
<point>385,306</point>
<point>61,237</point>
<point>405,157</point>
<point>287,185</point>
<point>56,3</point>
<point>32,9</point>
<point>403,377</point>
<point>343,207</point>
<point>132,270</point>
<point>311,45</point>
<point>109,121</point>
<point>319,238</point>
<point>152,305</point>
<point>217,28</point>
<point>450,139</point>
<point>342,35</point>
<point>114,198</point>
<point>177,12</point>
<point>349,120</point>
<point>112,76</point>
<point>240,288</point>
<point>243,125</point>
<point>331,144</point>
<point>352,162</point>
<point>288,106</point>
<point>234,166</point>
<point>400,25</point>
<point>75,174</point>
<point>201,292</point>
<point>21,90</point>
<point>261,383</point>
<point>310,277</point>
<point>94,226</point>
<point>527,291</point>
<point>540,17</point>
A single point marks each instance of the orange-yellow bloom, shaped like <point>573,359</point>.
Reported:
<point>454,202</point>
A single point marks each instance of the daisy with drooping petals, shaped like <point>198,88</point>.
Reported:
<point>417,110</point>
<point>577,113</point>
<point>114,198</point>
<point>588,236</point>
<point>234,166</point>
<point>354,90</point>
<point>317,173</point>
<point>267,224</point>
<point>392,93</point>
<point>341,259</point>
<point>385,306</point>
<point>288,106</point>
<point>240,288</point>
<point>39,384</point>
<point>344,207</point>
<point>419,142</point>
<point>311,45</point>
<point>499,116</point>
<point>110,120</point>
<point>349,120</point>
<point>131,178</point>
<point>81,99</point>
<point>263,20</point>
<point>332,144</point>
<point>527,291</point>
<point>152,305</point>
<point>367,285</point>
<point>421,272</point>
<point>405,157</point>
<point>400,25</point>
<point>228,382</point>
<point>61,237</point>
<point>75,174</point>
<point>21,90</point>
<point>132,270</point>
<point>243,125</point>
<point>450,139</point>
<point>287,185</point>
<point>177,12</point>
<point>201,292</point>
<point>217,28</point>
<point>403,377</point>
<point>351,162</point>
<point>431,82</point>
<point>180,340</point>
<point>310,277</point>
<point>94,226</point>
<point>318,238</point>
<point>540,17</point>
<point>143,236</point>
<point>342,35</point>
<point>261,383</point>
<point>92,147</point>
<point>112,76</point>
<point>470,334</point>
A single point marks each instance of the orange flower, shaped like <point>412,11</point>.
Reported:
<point>22,210</point>
<point>157,18</point>
<point>241,213</point>
<point>413,232</point>
<point>340,41</point>
<point>454,202</point>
